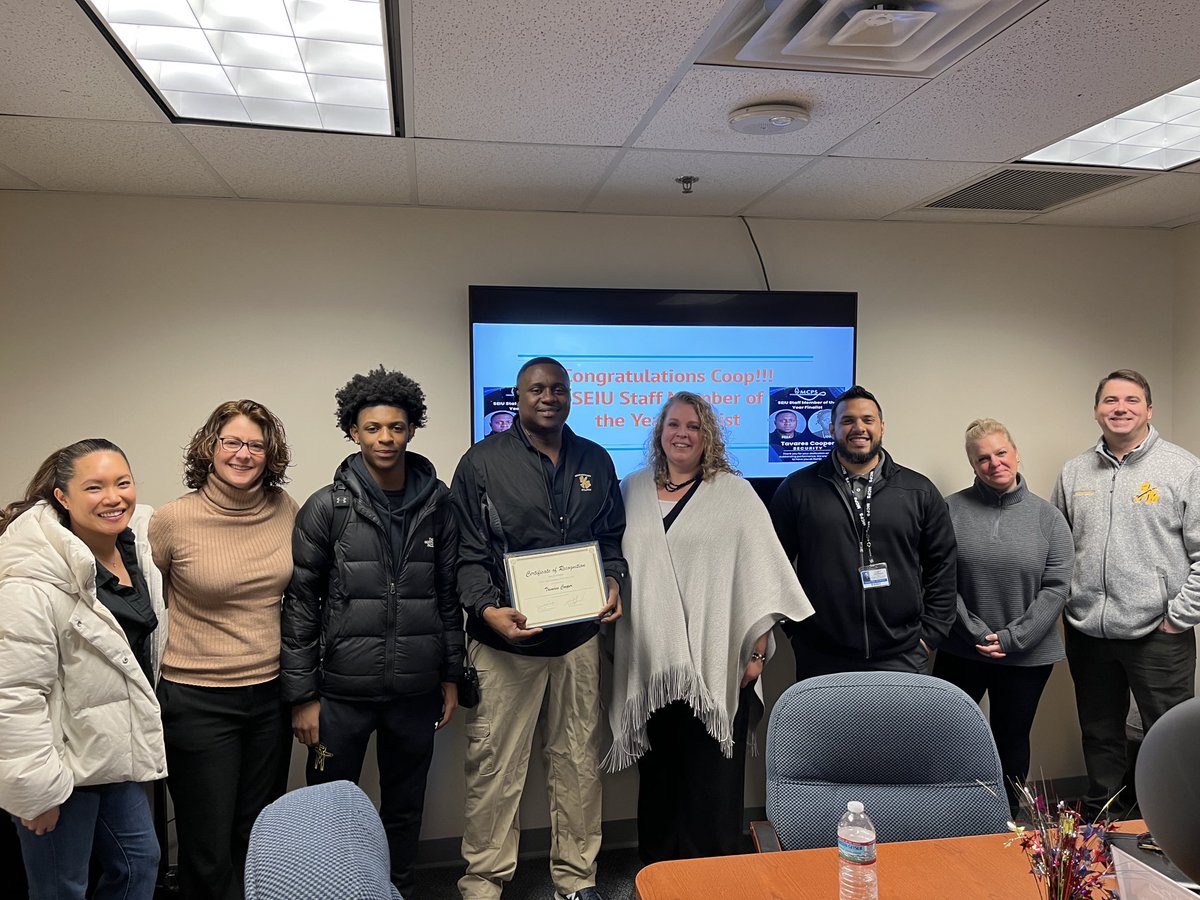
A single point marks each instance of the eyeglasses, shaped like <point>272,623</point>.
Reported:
<point>233,445</point>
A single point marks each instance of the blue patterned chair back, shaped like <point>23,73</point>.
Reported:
<point>916,751</point>
<point>317,843</point>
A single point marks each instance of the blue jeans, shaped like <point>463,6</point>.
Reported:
<point>111,820</point>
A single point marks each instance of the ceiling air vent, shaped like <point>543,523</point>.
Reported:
<point>859,36</point>
<point>1029,190</point>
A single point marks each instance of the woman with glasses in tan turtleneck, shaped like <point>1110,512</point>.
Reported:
<point>225,553</point>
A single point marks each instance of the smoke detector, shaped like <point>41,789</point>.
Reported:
<point>769,118</point>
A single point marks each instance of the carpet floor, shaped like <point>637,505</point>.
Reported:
<point>617,870</point>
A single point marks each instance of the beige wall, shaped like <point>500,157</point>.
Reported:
<point>133,317</point>
<point>1186,330</point>
<point>1186,334</point>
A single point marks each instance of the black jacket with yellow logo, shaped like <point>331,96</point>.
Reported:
<point>503,500</point>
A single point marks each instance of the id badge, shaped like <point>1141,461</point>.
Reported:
<point>874,576</point>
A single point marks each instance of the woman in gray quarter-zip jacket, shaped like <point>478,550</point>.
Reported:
<point>1014,569</point>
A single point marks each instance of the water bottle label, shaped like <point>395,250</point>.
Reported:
<point>855,852</point>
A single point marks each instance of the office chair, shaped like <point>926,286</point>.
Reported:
<point>916,751</point>
<point>1168,785</point>
<point>319,842</point>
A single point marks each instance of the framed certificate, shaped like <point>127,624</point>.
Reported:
<point>557,586</point>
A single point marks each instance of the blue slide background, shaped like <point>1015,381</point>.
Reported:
<point>622,374</point>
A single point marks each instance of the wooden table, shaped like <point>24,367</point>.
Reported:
<point>968,868</point>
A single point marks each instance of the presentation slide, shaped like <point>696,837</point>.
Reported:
<point>772,386</point>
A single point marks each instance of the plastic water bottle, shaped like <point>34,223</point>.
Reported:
<point>856,855</point>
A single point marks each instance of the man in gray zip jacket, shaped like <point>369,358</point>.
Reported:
<point>1133,504</point>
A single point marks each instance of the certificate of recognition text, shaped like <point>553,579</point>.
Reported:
<point>558,585</point>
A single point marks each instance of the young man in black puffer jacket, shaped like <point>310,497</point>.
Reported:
<point>372,627</point>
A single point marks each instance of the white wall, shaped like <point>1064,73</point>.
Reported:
<point>1186,334</point>
<point>133,317</point>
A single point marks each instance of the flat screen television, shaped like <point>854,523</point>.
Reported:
<point>770,362</point>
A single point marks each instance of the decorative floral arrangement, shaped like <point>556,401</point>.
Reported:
<point>1069,857</point>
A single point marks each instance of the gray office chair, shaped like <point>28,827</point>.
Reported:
<point>1168,785</point>
<point>319,842</point>
<point>916,751</point>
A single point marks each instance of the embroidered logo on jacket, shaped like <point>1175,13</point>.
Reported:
<point>1147,493</point>
<point>429,542</point>
<point>585,482</point>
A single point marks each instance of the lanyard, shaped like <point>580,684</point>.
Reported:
<point>864,512</point>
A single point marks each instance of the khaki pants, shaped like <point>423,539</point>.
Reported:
<point>500,732</point>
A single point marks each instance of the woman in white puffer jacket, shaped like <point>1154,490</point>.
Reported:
<point>81,627</point>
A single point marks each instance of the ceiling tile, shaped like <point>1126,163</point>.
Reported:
<point>498,74</point>
<point>281,165</point>
<point>508,176</point>
<point>1157,200</point>
<point>11,181</point>
<point>106,157</point>
<point>644,182</point>
<point>835,188</point>
<point>55,63</point>
<point>696,117</point>
<point>1064,67</point>
<point>555,73</point>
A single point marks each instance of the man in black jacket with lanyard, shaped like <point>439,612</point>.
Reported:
<point>874,549</point>
<point>535,486</point>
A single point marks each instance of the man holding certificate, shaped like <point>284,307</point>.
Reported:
<point>540,566</point>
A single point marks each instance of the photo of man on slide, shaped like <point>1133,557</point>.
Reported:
<point>499,421</point>
<point>786,441</point>
<point>785,426</point>
<point>819,423</point>
<point>499,409</point>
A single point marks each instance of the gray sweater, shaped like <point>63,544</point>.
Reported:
<point>1014,569</point>
<point>1136,526</point>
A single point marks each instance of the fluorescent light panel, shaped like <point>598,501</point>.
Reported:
<point>316,64</point>
<point>1163,133</point>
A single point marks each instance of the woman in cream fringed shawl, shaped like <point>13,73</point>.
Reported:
<point>709,580</point>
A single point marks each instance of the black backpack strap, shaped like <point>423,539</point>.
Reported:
<point>341,511</point>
